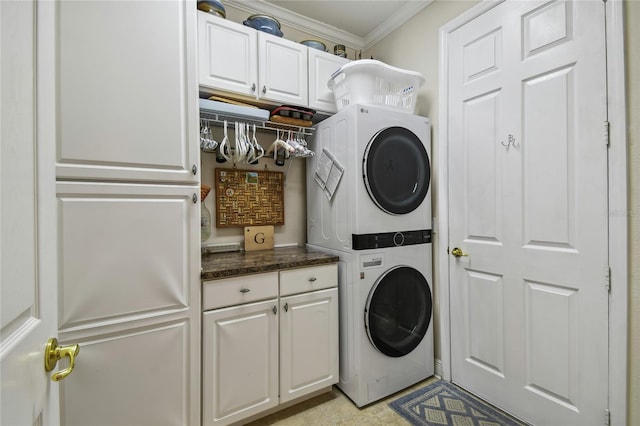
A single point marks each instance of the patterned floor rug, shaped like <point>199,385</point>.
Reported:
<point>443,403</point>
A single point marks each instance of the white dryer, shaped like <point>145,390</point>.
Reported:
<point>385,186</point>
<point>386,320</point>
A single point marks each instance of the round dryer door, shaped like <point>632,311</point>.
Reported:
<point>396,170</point>
<point>398,311</point>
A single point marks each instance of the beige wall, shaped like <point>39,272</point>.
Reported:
<point>632,53</point>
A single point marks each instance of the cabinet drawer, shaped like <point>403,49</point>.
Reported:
<point>239,290</point>
<point>308,279</point>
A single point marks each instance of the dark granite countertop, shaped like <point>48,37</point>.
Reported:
<point>225,265</point>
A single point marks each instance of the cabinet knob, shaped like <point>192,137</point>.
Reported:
<point>275,310</point>
<point>194,169</point>
<point>264,89</point>
<point>253,87</point>
<point>312,279</point>
<point>195,198</point>
<point>245,290</point>
<point>286,307</point>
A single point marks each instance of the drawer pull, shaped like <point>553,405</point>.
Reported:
<point>312,279</point>
<point>244,290</point>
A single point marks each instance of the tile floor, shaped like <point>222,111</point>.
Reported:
<point>334,408</point>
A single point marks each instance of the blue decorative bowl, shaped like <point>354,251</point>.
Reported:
<point>315,44</point>
<point>212,6</point>
<point>265,23</point>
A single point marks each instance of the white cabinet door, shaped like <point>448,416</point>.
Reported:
<point>282,66</point>
<point>127,85</point>
<point>240,362</point>
<point>227,55</point>
<point>308,343</point>
<point>125,250</point>
<point>128,293</point>
<point>134,375</point>
<point>321,66</point>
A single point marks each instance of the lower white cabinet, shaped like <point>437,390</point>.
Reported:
<point>267,339</point>
<point>308,343</point>
<point>240,362</point>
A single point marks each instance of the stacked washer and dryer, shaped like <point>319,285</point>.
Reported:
<point>378,221</point>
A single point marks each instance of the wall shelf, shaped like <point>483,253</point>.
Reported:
<point>216,113</point>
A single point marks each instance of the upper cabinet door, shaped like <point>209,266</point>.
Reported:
<point>321,66</point>
<point>127,85</point>
<point>283,70</point>
<point>227,55</point>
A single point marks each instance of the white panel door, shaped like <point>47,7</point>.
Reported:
<point>127,105</point>
<point>308,343</point>
<point>239,362</point>
<point>27,221</point>
<point>528,202</point>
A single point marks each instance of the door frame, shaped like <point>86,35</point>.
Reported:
<point>618,203</point>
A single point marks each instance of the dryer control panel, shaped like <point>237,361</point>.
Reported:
<point>390,239</point>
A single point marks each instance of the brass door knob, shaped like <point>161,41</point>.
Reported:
<point>54,352</point>
<point>457,252</point>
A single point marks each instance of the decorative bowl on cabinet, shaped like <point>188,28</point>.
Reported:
<point>315,44</point>
<point>265,23</point>
<point>213,7</point>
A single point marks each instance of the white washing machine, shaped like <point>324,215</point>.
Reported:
<point>384,189</point>
<point>386,320</point>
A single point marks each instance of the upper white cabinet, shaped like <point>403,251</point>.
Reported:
<point>321,66</point>
<point>282,68</point>
<point>227,55</point>
<point>127,82</point>
<point>238,59</point>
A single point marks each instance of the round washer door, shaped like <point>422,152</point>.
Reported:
<point>396,170</point>
<point>398,311</point>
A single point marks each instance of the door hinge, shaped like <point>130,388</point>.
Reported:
<point>607,417</point>
<point>607,139</point>
<point>607,278</point>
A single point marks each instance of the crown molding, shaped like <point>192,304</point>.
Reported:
<point>328,32</point>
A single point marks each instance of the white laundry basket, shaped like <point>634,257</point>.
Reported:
<point>371,82</point>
